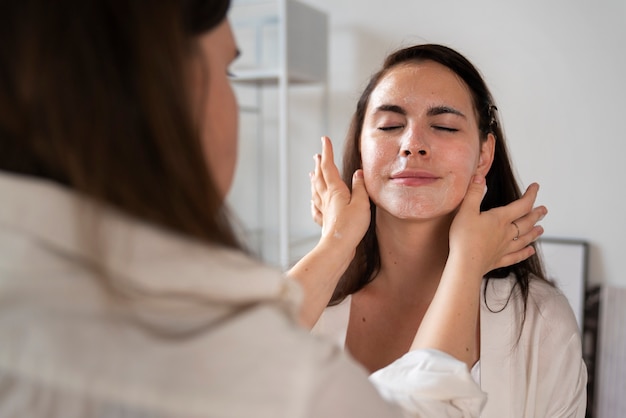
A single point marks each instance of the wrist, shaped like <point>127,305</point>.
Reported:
<point>464,265</point>
<point>335,250</point>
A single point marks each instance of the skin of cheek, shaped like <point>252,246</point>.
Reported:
<point>219,128</point>
<point>406,203</point>
<point>215,104</point>
<point>423,202</point>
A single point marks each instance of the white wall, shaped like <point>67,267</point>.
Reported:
<point>556,69</point>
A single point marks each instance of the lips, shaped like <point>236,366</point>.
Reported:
<point>413,178</point>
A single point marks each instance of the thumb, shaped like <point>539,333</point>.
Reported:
<point>475,193</point>
<point>358,187</point>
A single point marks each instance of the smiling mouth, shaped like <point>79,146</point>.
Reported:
<point>414,179</point>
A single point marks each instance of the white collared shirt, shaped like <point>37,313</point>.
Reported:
<point>541,375</point>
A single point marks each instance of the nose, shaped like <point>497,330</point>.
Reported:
<point>407,152</point>
<point>414,144</point>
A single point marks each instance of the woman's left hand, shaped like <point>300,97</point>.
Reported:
<point>498,237</point>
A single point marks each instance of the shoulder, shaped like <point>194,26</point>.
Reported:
<point>333,323</point>
<point>549,302</point>
<point>542,295</point>
<point>279,360</point>
<point>547,308</point>
<point>539,346</point>
<point>551,333</point>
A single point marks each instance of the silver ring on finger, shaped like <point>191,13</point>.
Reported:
<point>516,227</point>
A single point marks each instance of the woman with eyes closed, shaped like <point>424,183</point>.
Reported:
<point>424,128</point>
<point>124,291</point>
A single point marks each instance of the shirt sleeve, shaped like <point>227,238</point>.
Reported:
<point>428,383</point>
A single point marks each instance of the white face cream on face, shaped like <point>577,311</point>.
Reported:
<point>419,143</point>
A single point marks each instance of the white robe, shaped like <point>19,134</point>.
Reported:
<point>542,375</point>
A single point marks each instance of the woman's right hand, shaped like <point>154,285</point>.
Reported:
<point>344,218</point>
<point>342,215</point>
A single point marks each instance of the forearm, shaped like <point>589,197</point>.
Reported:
<point>318,273</point>
<point>451,321</point>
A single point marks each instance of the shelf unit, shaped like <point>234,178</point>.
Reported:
<point>284,45</point>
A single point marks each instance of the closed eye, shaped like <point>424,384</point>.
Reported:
<point>445,128</point>
<point>389,128</point>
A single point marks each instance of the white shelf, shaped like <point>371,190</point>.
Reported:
<point>270,77</point>
<point>284,44</point>
<point>280,37</point>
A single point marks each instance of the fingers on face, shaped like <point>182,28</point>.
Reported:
<point>323,163</point>
<point>524,205</point>
<point>517,256</point>
<point>329,170</point>
<point>317,172</point>
<point>316,185</point>
<point>316,214</point>
<point>527,224</point>
<point>326,174</point>
<point>525,239</point>
<point>532,191</point>
<point>516,232</point>
<point>318,182</point>
<point>529,232</point>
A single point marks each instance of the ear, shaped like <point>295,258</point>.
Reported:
<point>487,152</point>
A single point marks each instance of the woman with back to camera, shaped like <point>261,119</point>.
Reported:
<point>425,124</point>
<point>123,289</point>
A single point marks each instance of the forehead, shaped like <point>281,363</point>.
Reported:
<point>421,83</point>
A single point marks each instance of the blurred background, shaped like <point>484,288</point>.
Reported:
<point>556,69</point>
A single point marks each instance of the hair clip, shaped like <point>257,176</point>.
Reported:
<point>493,120</point>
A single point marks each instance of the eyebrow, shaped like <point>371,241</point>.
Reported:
<point>440,110</point>
<point>390,108</point>
<point>432,111</point>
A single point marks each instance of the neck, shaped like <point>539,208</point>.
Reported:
<point>413,253</point>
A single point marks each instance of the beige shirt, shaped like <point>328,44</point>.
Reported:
<point>542,375</point>
<point>177,329</point>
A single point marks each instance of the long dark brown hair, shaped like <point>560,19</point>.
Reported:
<point>501,183</point>
<point>94,96</point>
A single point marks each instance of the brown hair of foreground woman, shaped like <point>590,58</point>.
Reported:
<point>97,100</point>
